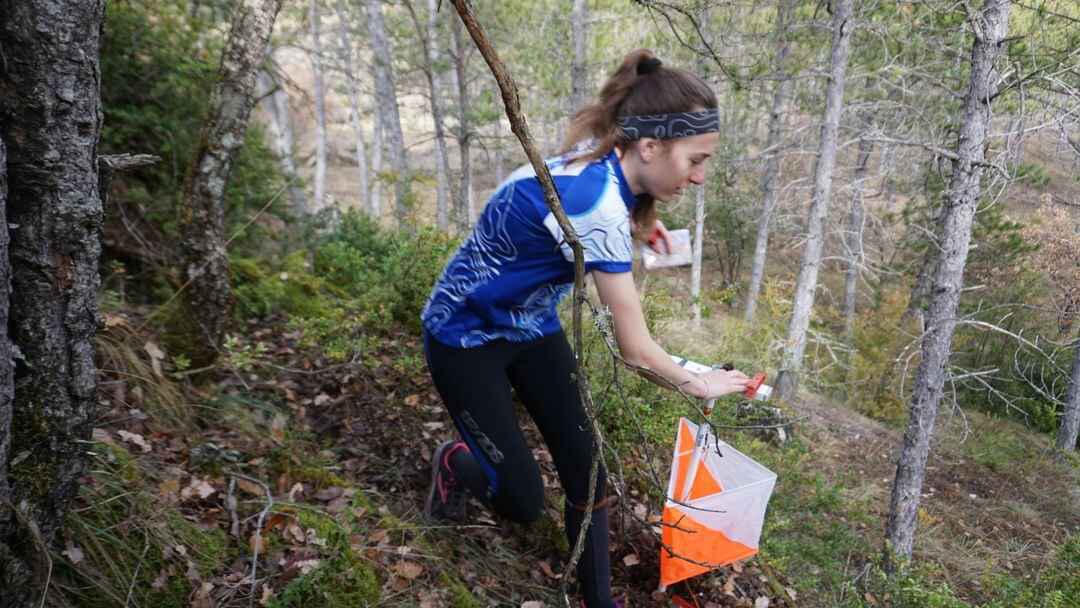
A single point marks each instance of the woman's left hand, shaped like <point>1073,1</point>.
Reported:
<point>660,240</point>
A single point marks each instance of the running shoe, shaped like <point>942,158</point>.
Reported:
<point>448,496</point>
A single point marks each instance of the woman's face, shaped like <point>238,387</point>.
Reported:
<point>669,167</point>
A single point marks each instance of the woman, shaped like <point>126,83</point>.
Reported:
<point>490,323</point>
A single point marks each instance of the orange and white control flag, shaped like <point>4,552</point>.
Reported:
<point>713,514</point>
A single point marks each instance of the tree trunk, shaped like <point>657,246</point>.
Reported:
<point>853,250</point>
<point>50,118</point>
<point>962,198</point>
<point>695,270</point>
<point>275,103</point>
<point>208,295</point>
<point>377,165</point>
<point>345,56</point>
<point>463,203</point>
<point>320,108</point>
<point>578,76</point>
<point>806,285</point>
<point>772,160</point>
<point>1070,417</point>
<point>386,102</point>
<point>429,39</point>
<point>7,386</point>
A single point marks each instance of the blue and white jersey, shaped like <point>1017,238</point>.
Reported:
<point>510,274</point>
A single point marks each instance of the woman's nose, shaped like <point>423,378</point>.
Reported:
<point>697,177</point>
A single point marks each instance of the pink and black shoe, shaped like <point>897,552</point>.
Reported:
<point>448,496</point>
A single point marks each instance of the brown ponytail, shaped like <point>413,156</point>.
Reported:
<point>640,85</point>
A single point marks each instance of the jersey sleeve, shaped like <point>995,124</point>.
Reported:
<point>602,222</point>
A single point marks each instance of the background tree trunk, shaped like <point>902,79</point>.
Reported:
<point>464,195</point>
<point>275,102</point>
<point>578,75</point>
<point>208,297</point>
<point>50,119</point>
<point>772,160</point>
<point>962,199</point>
<point>345,56</point>
<point>7,386</point>
<point>429,39</point>
<point>377,165</point>
<point>1070,416</point>
<point>853,249</point>
<point>386,102</point>
<point>319,197</point>
<point>695,270</point>
<point>806,284</point>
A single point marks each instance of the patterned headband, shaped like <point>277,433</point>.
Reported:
<point>670,126</point>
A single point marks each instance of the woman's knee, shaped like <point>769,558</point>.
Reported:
<point>522,501</point>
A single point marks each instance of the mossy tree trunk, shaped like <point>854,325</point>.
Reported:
<point>1070,416</point>
<point>208,295</point>
<point>50,118</point>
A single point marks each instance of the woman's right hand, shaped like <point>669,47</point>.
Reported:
<point>720,382</point>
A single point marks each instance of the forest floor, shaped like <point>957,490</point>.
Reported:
<point>322,469</point>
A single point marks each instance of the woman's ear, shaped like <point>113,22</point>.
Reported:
<point>648,148</point>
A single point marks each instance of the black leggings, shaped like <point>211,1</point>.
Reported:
<point>499,468</point>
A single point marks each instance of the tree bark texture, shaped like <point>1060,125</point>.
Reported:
<point>853,249</point>
<point>962,198</point>
<point>386,102</point>
<point>319,196</point>
<point>772,160</point>
<point>377,163</point>
<point>275,102</point>
<point>578,75</point>
<point>695,266</point>
<point>50,118</point>
<point>1070,416</point>
<point>208,296</point>
<point>345,56</point>
<point>7,380</point>
<point>806,284</point>
<point>463,196</point>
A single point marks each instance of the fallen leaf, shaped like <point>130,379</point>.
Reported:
<point>263,542</point>
<point>729,586</point>
<point>408,570</point>
<point>631,560</point>
<point>112,320</point>
<point>322,398</point>
<point>250,487</point>
<point>532,604</point>
<point>412,400</point>
<point>277,426</point>
<point>135,439</point>
<point>761,602</point>
<point>197,487</point>
<point>307,565</point>
<point>73,553</point>
<point>267,595</point>
<point>156,356</point>
<point>548,571</point>
<point>100,435</point>
<point>434,426</point>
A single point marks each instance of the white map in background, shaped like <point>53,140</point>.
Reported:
<point>681,252</point>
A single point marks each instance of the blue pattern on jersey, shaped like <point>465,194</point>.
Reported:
<point>513,270</point>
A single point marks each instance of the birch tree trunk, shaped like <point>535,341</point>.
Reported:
<point>386,102</point>
<point>772,160</point>
<point>853,250</point>
<point>429,38</point>
<point>275,102</point>
<point>1070,417</point>
<point>465,210</point>
<point>320,107</point>
<point>695,269</point>
<point>345,56</point>
<point>806,285</point>
<point>208,296</point>
<point>578,76</point>
<point>50,119</point>
<point>962,197</point>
